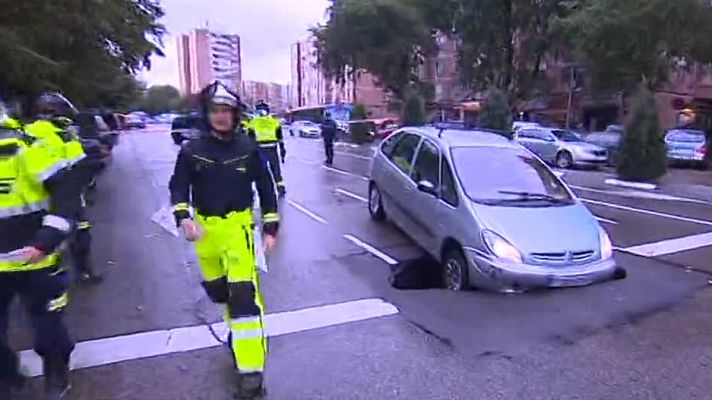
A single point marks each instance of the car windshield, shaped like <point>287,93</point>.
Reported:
<point>686,136</point>
<point>507,176</point>
<point>566,136</point>
<point>180,123</point>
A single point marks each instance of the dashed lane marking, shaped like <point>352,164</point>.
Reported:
<point>648,212</point>
<point>351,195</point>
<point>307,212</point>
<point>94,353</point>
<point>374,251</point>
<point>671,246</point>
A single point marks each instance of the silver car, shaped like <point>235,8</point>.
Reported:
<point>488,210</point>
<point>686,146</point>
<point>305,129</point>
<point>560,147</point>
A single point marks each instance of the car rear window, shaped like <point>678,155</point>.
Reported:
<point>686,136</point>
<point>486,172</point>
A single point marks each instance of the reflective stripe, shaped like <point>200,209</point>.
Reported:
<point>244,370</point>
<point>247,334</point>
<point>84,225</point>
<point>270,217</point>
<point>75,160</point>
<point>25,209</point>
<point>247,320</point>
<point>180,207</point>
<point>58,304</point>
<point>48,173</point>
<point>57,222</point>
<point>268,145</point>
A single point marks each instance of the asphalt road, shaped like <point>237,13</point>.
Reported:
<point>341,332</point>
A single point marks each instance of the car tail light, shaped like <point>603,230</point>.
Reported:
<point>702,150</point>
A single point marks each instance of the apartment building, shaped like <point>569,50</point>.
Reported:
<point>310,87</point>
<point>273,94</point>
<point>205,56</point>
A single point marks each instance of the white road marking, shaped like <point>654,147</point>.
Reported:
<point>671,246</point>
<point>378,253</point>
<point>137,346</point>
<point>352,195</point>
<point>338,171</point>
<point>309,213</point>
<point>635,185</point>
<point>648,212</point>
<point>607,221</point>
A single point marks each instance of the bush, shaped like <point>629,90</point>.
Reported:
<point>413,112</point>
<point>496,113</point>
<point>642,151</point>
<point>360,132</point>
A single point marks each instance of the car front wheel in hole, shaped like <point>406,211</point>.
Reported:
<point>455,273</point>
<point>375,203</point>
<point>564,160</point>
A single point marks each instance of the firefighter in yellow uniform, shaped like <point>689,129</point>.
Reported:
<point>37,203</point>
<point>214,174</point>
<point>56,126</point>
<point>267,130</point>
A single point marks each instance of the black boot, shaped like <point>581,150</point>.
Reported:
<point>251,386</point>
<point>56,375</point>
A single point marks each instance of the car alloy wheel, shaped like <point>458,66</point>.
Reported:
<point>564,160</point>
<point>375,203</point>
<point>455,274</point>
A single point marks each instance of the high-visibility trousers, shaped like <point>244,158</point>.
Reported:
<point>226,255</point>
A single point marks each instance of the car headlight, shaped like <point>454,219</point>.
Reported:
<point>606,245</point>
<point>500,247</point>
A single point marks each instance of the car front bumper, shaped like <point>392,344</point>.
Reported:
<point>497,275</point>
<point>590,159</point>
<point>309,134</point>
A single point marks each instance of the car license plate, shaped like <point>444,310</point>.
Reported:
<point>569,281</point>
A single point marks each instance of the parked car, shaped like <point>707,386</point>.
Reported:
<point>609,140</point>
<point>517,125</point>
<point>385,127</point>
<point>560,147</point>
<point>185,127</point>
<point>687,146</point>
<point>488,210</point>
<point>98,140</point>
<point>134,121</point>
<point>305,129</point>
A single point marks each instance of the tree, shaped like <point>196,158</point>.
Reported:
<point>496,113</point>
<point>413,112</point>
<point>625,43</point>
<point>505,42</point>
<point>360,129</point>
<point>83,48</point>
<point>161,99</point>
<point>643,153</point>
<point>387,38</point>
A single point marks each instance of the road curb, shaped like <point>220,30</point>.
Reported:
<point>628,184</point>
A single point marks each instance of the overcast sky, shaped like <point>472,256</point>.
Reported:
<point>267,29</point>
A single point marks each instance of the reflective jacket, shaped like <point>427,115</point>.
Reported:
<point>66,143</point>
<point>266,130</point>
<point>36,200</point>
<point>215,177</point>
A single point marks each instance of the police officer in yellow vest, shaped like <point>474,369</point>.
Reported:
<point>214,174</point>
<point>55,124</point>
<point>267,130</point>
<point>37,203</point>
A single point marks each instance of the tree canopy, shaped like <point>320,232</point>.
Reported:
<point>625,43</point>
<point>161,99</point>
<point>88,49</point>
<point>384,37</point>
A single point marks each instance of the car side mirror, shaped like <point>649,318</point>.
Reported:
<point>427,187</point>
